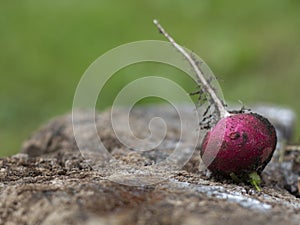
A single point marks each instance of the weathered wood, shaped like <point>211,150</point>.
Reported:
<point>50,182</point>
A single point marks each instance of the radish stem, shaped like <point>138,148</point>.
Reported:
<point>220,108</point>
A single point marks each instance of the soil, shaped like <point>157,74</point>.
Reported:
<point>51,182</point>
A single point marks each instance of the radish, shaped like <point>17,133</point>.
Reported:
<point>239,144</point>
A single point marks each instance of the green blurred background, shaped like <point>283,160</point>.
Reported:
<point>45,47</point>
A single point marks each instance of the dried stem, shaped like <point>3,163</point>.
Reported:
<point>220,108</point>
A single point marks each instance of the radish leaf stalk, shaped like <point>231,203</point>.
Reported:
<point>220,108</point>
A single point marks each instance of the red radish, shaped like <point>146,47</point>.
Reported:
<point>246,146</point>
<point>239,143</point>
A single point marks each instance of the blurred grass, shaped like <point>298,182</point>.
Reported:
<point>45,46</point>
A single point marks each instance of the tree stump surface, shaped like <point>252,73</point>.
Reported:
<point>50,182</point>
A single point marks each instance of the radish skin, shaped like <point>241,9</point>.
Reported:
<point>246,145</point>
